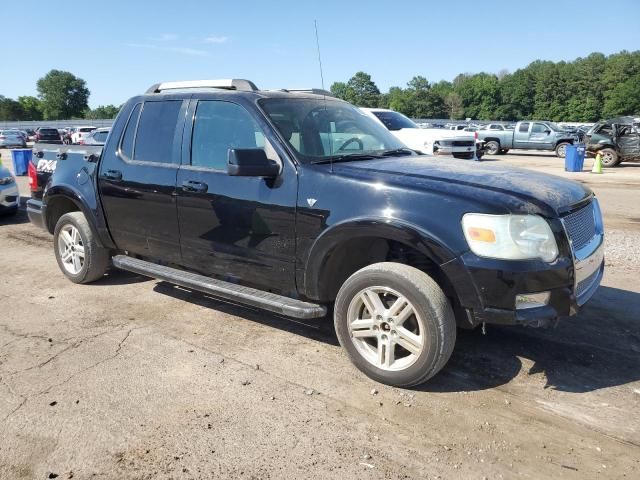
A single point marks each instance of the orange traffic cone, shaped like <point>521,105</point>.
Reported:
<point>597,164</point>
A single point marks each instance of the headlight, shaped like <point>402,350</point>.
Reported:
<point>6,180</point>
<point>510,237</point>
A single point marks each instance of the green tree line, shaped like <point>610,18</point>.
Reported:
<point>584,90</point>
<point>61,96</point>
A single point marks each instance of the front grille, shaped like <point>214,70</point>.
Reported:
<point>580,226</point>
<point>584,285</point>
<point>463,143</point>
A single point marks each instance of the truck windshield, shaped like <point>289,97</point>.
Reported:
<point>555,127</point>
<point>395,120</point>
<point>321,130</point>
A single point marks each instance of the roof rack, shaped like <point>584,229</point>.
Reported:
<point>226,84</point>
<point>315,91</point>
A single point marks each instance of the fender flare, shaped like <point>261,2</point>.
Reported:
<point>388,229</point>
<point>70,193</point>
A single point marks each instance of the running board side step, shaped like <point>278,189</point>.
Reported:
<point>230,291</point>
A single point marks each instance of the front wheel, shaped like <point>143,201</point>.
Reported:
<point>395,323</point>
<point>609,157</point>
<point>79,254</point>
<point>561,150</point>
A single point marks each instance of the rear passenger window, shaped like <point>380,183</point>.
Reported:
<point>218,127</point>
<point>524,127</point>
<point>156,130</point>
<point>130,132</point>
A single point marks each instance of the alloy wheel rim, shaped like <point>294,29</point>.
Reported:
<point>385,328</point>
<point>607,158</point>
<point>71,249</point>
<point>562,151</point>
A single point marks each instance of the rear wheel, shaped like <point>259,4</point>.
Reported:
<point>492,147</point>
<point>561,150</point>
<point>395,323</point>
<point>80,256</point>
<point>609,157</point>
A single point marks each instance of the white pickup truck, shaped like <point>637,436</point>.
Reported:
<point>432,141</point>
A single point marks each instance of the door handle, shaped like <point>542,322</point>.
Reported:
<point>193,186</point>
<point>112,175</point>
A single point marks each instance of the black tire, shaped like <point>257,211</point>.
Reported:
<point>9,212</point>
<point>561,149</point>
<point>427,299</point>
<point>96,257</point>
<point>492,147</point>
<point>610,158</point>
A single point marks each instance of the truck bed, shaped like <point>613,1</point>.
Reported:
<point>46,156</point>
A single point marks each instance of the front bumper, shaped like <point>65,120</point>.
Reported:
<point>493,285</point>
<point>36,213</point>
<point>9,196</point>
<point>450,149</point>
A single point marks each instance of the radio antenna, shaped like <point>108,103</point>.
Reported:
<point>315,22</point>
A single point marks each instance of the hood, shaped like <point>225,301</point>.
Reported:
<point>504,187</point>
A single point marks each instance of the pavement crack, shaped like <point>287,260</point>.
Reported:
<point>117,352</point>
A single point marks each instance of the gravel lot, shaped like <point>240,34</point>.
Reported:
<point>135,378</point>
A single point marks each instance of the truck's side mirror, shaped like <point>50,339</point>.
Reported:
<point>250,162</point>
<point>547,131</point>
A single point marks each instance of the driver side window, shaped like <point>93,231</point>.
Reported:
<point>219,126</point>
<point>538,128</point>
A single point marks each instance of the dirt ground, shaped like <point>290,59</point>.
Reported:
<point>135,378</point>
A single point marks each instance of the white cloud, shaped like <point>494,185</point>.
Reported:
<point>191,52</point>
<point>215,39</point>
<point>165,37</point>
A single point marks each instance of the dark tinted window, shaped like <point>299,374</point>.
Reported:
<point>48,131</point>
<point>394,120</point>
<point>524,127</point>
<point>156,130</point>
<point>218,127</point>
<point>130,132</point>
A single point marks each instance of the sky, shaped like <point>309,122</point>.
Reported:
<point>120,48</point>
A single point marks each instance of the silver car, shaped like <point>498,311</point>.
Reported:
<point>9,194</point>
<point>11,138</point>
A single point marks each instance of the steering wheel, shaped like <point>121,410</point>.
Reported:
<point>350,141</point>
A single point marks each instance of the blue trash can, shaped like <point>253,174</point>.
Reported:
<point>21,158</point>
<point>574,158</point>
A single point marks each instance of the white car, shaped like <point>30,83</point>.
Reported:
<point>79,133</point>
<point>432,141</point>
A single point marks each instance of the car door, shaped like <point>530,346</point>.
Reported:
<point>521,135</point>
<point>241,229</point>
<point>628,142</point>
<point>541,137</point>
<point>137,181</point>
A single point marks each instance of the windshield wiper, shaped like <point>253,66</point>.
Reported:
<point>398,152</point>
<point>347,158</point>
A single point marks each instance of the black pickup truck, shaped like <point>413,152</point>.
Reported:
<point>298,203</point>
